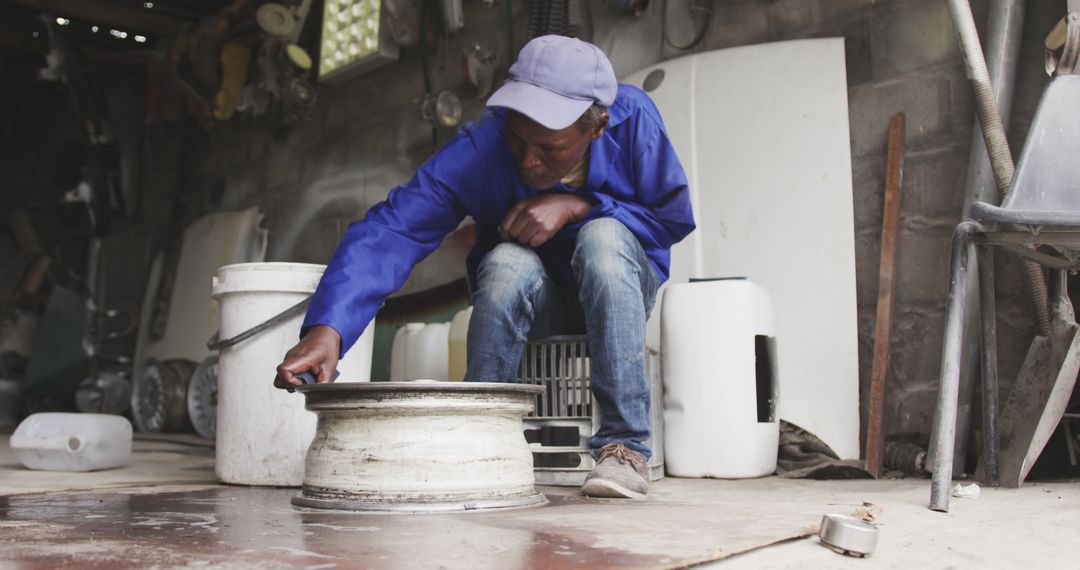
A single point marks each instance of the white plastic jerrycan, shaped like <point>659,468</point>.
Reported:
<point>72,442</point>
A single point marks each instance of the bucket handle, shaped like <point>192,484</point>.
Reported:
<point>215,344</point>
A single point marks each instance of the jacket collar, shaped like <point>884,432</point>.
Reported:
<point>602,154</point>
<point>604,151</point>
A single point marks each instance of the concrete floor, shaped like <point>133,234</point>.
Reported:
<point>166,511</point>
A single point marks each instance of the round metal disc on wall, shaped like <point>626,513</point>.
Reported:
<point>298,56</point>
<point>300,93</point>
<point>159,396</point>
<point>202,398</point>
<point>275,19</point>
<point>448,109</point>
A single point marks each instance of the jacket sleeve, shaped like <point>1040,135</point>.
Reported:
<point>376,255</point>
<point>660,213</point>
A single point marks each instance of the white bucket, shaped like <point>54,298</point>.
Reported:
<point>263,432</point>
<point>720,380</point>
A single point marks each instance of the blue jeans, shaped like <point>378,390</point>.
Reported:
<point>515,301</point>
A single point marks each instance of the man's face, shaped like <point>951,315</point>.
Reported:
<point>543,156</point>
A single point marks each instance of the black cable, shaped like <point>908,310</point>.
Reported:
<point>698,36</point>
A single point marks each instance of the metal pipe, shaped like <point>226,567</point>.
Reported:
<point>948,392</point>
<point>989,117</point>
<point>1003,37</point>
<point>989,367</point>
<point>996,144</point>
<point>1005,29</point>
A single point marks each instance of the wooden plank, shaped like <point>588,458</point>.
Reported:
<point>890,226</point>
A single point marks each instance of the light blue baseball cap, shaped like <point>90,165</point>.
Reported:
<point>555,80</point>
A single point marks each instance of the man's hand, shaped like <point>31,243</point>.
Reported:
<point>532,222</point>
<point>317,351</point>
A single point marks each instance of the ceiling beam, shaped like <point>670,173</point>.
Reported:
<point>129,19</point>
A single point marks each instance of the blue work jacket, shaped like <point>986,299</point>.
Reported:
<point>634,176</point>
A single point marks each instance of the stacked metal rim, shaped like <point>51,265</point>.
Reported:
<point>159,396</point>
<point>419,447</point>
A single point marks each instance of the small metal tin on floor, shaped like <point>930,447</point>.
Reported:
<point>419,447</point>
<point>848,535</point>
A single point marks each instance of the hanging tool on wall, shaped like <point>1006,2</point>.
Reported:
<point>1063,43</point>
<point>478,66</point>
<point>226,65</point>
<point>281,67</point>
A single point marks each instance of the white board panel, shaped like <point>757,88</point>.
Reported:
<point>763,134</point>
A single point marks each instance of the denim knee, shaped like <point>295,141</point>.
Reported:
<point>508,273</point>
<point>605,249</point>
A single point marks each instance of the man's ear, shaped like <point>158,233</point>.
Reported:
<point>599,130</point>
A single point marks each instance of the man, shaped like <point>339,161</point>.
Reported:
<point>577,197</point>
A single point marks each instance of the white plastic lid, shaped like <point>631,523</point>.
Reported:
<point>275,277</point>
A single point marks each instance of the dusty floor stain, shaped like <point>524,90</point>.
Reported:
<point>257,527</point>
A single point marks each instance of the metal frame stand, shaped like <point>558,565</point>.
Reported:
<point>1039,221</point>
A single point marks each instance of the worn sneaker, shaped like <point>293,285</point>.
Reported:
<point>620,472</point>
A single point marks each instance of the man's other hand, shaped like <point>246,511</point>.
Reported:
<point>532,222</point>
<point>317,351</point>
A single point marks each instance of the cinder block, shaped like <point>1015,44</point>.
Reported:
<point>323,159</point>
<point>867,263</point>
<point>857,53</point>
<point>737,24</point>
<point>932,192</point>
<point>868,189</point>
<point>283,164</point>
<point>923,98</point>
<point>845,11</point>
<point>790,19</point>
<point>961,104</point>
<point>307,226</point>
<point>913,35</point>
<point>243,188</point>
<point>922,261</point>
<point>337,105</point>
<point>917,334</point>
<point>259,142</point>
<point>934,183</point>
<point>915,365</point>
<point>909,409</point>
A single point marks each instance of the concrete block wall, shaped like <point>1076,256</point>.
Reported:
<point>366,136</point>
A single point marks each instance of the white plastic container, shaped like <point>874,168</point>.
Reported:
<point>72,442</point>
<point>400,349</point>
<point>420,352</point>
<point>720,380</point>
<point>263,432</point>
<point>458,347</point>
<point>428,355</point>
